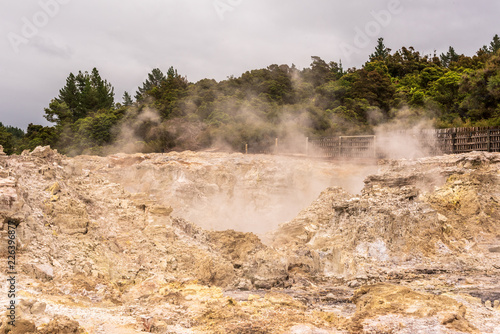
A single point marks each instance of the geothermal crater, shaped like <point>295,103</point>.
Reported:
<point>232,243</point>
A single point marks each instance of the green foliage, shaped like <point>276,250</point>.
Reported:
<point>494,45</point>
<point>155,78</point>
<point>95,130</point>
<point>381,51</point>
<point>6,140</point>
<point>321,72</point>
<point>445,91</point>
<point>81,95</point>
<point>449,57</point>
<point>373,85</point>
<point>482,99</point>
<point>38,135</point>
<point>406,61</point>
<point>58,112</point>
<point>164,93</point>
<point>277,101</point>
<point>127,99</point>
<point>430,74</point>
<point>10,138</point>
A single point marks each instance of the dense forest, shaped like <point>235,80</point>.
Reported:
<point>170,113</point>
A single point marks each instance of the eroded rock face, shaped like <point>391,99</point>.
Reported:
<point>376,301</point>
<point>232,191</point>
<point>62,325</point>
<point>101,247</point>
<point>399,223</point>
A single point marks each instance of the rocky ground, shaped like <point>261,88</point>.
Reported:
<point>231,243</point>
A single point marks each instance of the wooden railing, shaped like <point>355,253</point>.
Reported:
<point>462,140</point>
<point>430,141</point>
<point>343,147</point>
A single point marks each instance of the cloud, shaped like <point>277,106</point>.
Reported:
<point>126,39</point>
<point>50,47</point>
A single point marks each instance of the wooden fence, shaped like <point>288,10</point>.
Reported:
<point>343,147</point>
<point>462,140</point>
<point>427,142</point>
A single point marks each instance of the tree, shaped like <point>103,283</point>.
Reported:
<point>127,99</point>
<point>58,112</point>
<point>319,71</point>
<point>445,91</point>
<point>82,94</point>
<point>17,133</point>
<point>6,140</point>
<point>449,57</point>
<point>273,83</point>
<point>10,138</point>
<point>430,74</point>
<point>70,94</point>
<point>321,99</point>
<point>169,93</point>
<point>38,135</point>
<point>381,51</point>
<point>482,90</point>
<point>373,84</point>
<point>103,90</point>
<point>155,78</point>
<point>95,131</point>
<point>322,72</point>
<point>406,61</point>
<point>494,44</point>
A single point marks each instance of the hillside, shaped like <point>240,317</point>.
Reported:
<point>401,88</point>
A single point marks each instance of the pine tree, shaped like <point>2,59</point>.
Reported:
<point>103,90</point>
<point>495,44</point>
<point>381,51</point>
<point>449,57</point>
<point>155,78</point>
<point>493,47</point>
<point>127,99</point>
<point>82,94</point>
<point>70,93</point>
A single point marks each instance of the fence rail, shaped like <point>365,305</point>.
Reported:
<point>343,147</point>
<point>395,144</point>
<point>427,142</point>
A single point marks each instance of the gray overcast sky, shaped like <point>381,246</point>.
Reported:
<point>42,41</point>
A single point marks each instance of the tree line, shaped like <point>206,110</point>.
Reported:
<point>168,112</point>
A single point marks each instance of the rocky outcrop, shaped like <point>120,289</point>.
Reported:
<point>104,244</point>
<point>400,223</point>
<point>376,302</point>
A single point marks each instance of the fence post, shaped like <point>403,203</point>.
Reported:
<point>453,139</point>
<point>489,140</point>
<point>276,146</point>
<point>246,148</point>
<point>340,147</point>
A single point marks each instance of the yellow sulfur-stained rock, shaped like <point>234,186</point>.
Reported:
<point>383,299</point>
<point>179,243</point>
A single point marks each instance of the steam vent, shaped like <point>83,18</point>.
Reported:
<point>240,243</point>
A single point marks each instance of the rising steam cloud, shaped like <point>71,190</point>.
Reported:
<point>405,136</point>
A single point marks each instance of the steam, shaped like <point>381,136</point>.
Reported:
<point>252,193</point>
<point>248,193</point>
<point>406,136</point>
<point>128,140</point>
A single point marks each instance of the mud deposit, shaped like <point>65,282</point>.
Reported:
<point>230,243</point>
